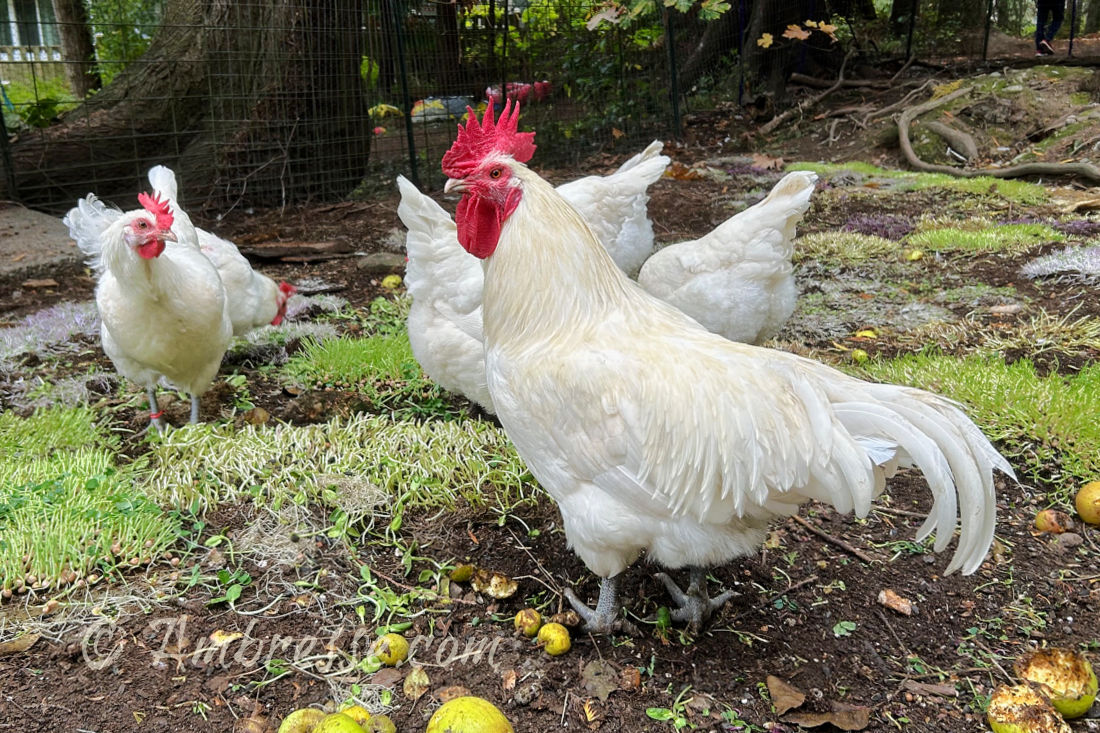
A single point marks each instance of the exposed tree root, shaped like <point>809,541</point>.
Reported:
<point>770,125</point>
<point>905,119</point>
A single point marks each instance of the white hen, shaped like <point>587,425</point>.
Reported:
<point>444,282</point>
<point>254,298</point>
<point>163,308</point>
<point>656,436</point>
<point>737,281</point>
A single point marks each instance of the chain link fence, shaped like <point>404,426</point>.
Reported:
<point>267,103</point>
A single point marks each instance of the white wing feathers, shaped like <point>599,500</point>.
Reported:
<point>163,182</point>
<point>615,206</point>
<point>86,222</point>
<point>755,434</point>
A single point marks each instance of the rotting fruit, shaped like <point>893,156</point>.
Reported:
<point>554,638</point>
<point>391,649</point>
<point>528,621</point>
<point>1023,709</point>
<point>1064,675</point>
<point>1053,521</point>
<point>301,721</point>
<point>468,714</point>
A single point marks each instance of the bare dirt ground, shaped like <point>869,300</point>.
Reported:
<point>808,610</point>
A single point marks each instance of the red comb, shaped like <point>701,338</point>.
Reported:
<point>158,208</point>
<point>287,289</point>
<point>477,140</point>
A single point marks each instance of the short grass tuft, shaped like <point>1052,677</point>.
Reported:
<point>844,247</point>
<point>1011,238</point>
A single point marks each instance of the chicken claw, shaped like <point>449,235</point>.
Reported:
<point>155,414</point>
<point>695,606</point>
<point>605,619</point>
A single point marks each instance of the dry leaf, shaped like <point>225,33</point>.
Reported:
<point>765,40</point>
<point>766,162</point>
<point>616,133</point>
<point>681,172</point>
<point>600,679</point>
<point>508,680</point>
<point>845,717</point>
<point>221,638</point>
<point>894,602</point>
<point>387,677</point>
<point>784,696</point>
<point>630,679</point>
<point>416,684</point>
<point>443,694</point>
<point>793,31</point>
<point>18,644</point>
<point>48,282</point>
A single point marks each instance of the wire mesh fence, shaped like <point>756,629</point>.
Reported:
<point>271,102</point>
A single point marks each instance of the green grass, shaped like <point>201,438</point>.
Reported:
<point>362,465</point>
<point>1046,424</point>
<point>381,368</point>
<point>841,246</point>
<point>67,510</point>
<point>1020,192</point>
<point>990,238</point>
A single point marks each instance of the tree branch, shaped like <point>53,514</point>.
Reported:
<point>778,120</point>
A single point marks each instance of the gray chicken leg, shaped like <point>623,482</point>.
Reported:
<point>155,414</point>
<point>694,605</point>
<point>194,409</point>
<point>605,619</point>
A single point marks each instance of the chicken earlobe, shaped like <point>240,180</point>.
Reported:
<point>694,605</point>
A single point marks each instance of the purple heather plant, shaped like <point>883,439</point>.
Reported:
<point>1079,227</point>
<point>48,329</point>
<point>886,226</point>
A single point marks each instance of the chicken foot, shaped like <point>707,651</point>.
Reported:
<point>155,413</point>
<point>605,619</point>
<point>695,606</point>
<point>194,409</point>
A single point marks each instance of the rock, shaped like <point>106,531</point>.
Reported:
<point>381,263</point>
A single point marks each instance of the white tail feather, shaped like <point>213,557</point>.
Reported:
<point>86,222</point>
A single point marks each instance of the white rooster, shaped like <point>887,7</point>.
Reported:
<point>738,281</point>
<point>254,298</point>
<point>656,436</point>
<point>163,308</point>
<point>445,282</point>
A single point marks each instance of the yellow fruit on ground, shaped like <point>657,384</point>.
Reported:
<point>1023,709</point>
<point>380,724</point>
<point>528,621</point>
<point>1053,521</point>
<point>391,649</point>
<point>1088,502</point>
<point>554,638</point>
<point>391,282</point>
<point>358,713</point>
<point>301,721</point>
<point>337,723</point>
<point>859,356</point>
<point>468,715</point>
<point>1064,675</point>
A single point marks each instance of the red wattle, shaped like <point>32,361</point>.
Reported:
<point>151,249</point>
<point>478,223</point>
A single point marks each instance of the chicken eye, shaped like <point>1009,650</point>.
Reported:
<point>142,224</point>
<point>495,173</point>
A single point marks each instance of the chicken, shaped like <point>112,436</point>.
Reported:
<point>654,435</point>
<point>737,281</point>
<point>163,308</point>
<point>445,283</point>
<point>254,299</point>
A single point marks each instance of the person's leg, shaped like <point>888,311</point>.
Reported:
<point>1057,14</point>
<point>1040,23</point>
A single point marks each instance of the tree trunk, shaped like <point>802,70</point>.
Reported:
<point>257,102</point>
<point>1092,16</point>
<point>76,46</point>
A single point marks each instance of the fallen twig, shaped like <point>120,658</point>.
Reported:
<point>834,540</point>
<point>787,114</point>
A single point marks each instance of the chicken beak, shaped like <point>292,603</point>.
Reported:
<point>166,236</point>
<point>454,185</point>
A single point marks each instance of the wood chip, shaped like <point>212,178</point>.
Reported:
<point>925,688</point>
<point>48,282</point>
<point>894,602</point>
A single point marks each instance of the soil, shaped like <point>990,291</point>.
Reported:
<point>808,609</point>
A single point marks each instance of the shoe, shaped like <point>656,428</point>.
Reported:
<point>1045,49</point>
